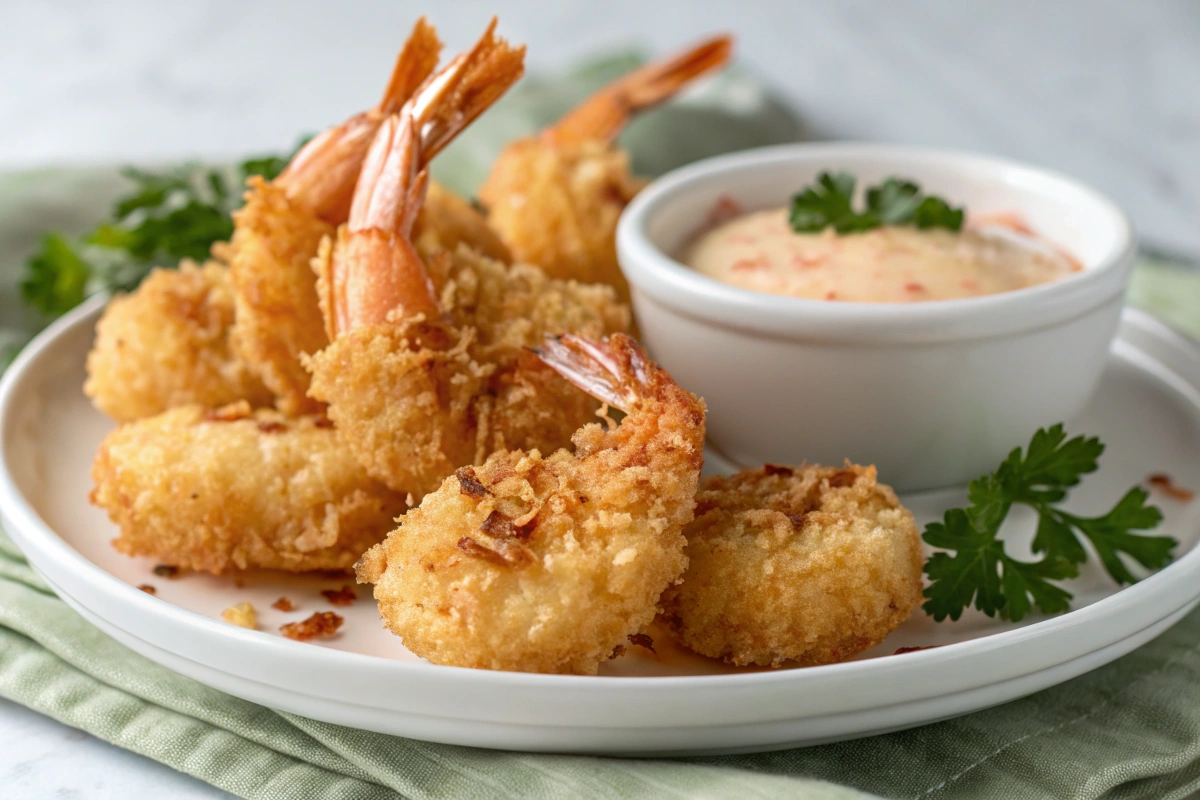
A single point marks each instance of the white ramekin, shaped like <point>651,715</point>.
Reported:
<point>934,393</point>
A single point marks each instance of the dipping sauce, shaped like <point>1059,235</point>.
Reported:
<point>761,252</point>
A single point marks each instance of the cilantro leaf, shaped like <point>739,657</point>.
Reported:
<point>896,201</point>
<point>981,573</point>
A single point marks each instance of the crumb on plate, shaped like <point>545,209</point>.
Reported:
<point>322,623</point>
<point>242,615</point>
<point>340,597</point>
<point>283,604</point>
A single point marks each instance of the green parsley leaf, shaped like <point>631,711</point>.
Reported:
<point>829,203</point>
<point>934,212</point>
<point>56,277</point>
<point>166,217</point>
<point>894,201</point>
<point>982,574</point>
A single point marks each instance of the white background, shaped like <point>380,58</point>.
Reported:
<point>1106,90</point>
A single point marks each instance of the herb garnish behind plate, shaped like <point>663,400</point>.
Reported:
<point>167,217</point>
<point>829,202</point>
<point>982,571</point>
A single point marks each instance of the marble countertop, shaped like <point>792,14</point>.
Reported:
<point>1105,90</point>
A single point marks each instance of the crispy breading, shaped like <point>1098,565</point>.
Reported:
<point>809,565</point>
<point>274,241</point>
<point>167,344</point>
<point>548,564</point>
<point>557,207</point>
<point>231,489</point>
<point>278,315</point>
<point>415,399</point>
<point>446,221</point>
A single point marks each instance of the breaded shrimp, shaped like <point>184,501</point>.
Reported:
<point>167,345</point>
<point>548,564</point>
<point>808,564</point>
<point>427,369</point>
<point>555,198</point>
<point>232,489</point>
<point>277,233</point>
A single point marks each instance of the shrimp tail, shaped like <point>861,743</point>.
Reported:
<point>606,113</point>
<point>615,370</point>
<point>470,84</point>
<point>414,65</point>
<point>375,269</point>
<point>322,175</point>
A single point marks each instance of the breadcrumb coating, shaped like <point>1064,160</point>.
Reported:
<point>548,564</point>
<point>809,565</point>
<point>416,399</point>
<point>274,241</point>
<point>278,314</point>
<point>167,344</point>
<point>557,206</point>
<point>233,489</point>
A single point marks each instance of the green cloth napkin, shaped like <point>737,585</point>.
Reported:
<point>1128,730</point>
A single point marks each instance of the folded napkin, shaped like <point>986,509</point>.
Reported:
<point>1128,730</point>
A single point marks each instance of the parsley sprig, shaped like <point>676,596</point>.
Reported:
<point>981,571</point>
<point>167,216</point>
<point>829,202</point>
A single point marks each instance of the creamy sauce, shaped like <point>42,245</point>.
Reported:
<point>761,252</point>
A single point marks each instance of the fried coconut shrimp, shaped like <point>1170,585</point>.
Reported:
<point>167,345</point>
<point>234,488</point>
<point>810,565</point>
<point>428,368</point>
<point>547,564</point>
<point>555,198</point>
<point>278,231</point>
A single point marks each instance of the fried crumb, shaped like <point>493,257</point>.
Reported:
<point>283,604</point>
<point>340,597</point>
<point>239,583</point>
<point>148,589</point>
<point>272,427</point>
<point>322,623</point>
<point>230,413</point>
<point>643,640</point>
<point>167,571</point>
<point>904,650</point>
<point>1163,482</point>
<point>242,615</point>
<point>468,483</point>
<point>617,652</point>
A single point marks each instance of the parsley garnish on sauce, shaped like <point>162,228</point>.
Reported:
<point>167,217</point>
<point>829,202</point>
<point>981,571</point>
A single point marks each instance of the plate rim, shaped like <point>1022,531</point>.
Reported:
<point>40,542</point>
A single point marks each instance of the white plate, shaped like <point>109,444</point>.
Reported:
<point>1147,411</point>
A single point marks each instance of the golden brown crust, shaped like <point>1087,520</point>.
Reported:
<point>278,318</point>
<point>557,207</point>
<point>547,564</point>
<point>219,491</point>
<point>417,399</point>
<point>167,344</point>
<point>810,565</point>
<point>447,220</point>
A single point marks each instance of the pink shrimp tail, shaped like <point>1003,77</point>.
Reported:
<point>606,113</point>
<point>322,175</point>
<point>615,370</point>
<point>377,270</point>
